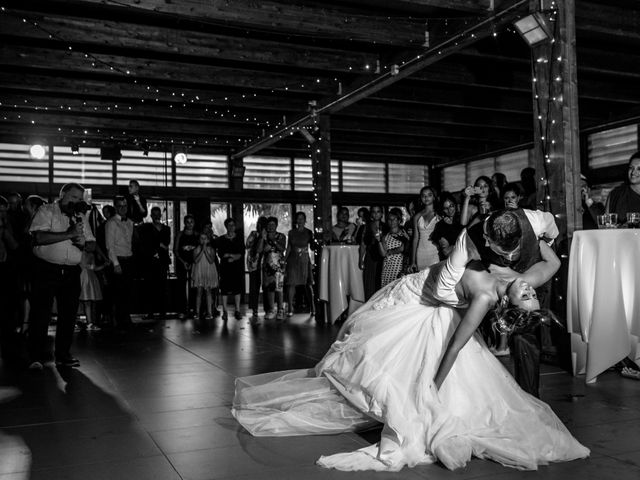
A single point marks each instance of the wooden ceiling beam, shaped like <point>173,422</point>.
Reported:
<point>285,18</point>
<point>103,35</point>
<point>598,18</point>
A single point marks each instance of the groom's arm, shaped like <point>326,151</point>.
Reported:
<point>543,224</point>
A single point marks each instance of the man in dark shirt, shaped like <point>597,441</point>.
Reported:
<point>626,197</point>
<point>154,240</point>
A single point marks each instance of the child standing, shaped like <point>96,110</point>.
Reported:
<point>204,275</point>
<point>90,290</point>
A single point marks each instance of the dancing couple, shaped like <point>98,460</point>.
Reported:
<point>411,359</point>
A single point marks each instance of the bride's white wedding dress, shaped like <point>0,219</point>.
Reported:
<point>381,369</point>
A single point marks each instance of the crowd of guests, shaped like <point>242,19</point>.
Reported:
<point>70,251</point>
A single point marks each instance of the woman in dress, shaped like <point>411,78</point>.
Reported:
<point>424,252</point>
<point>298,261</point>
<point>273,245</point>
<point>254,267</point>
<point>408,360</point>
<point>204,275</point>
<point>370,258</point>
<point>393,247</point>
<point>186,242</point>
<point>230,249</point>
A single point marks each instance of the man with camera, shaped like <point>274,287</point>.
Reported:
<point>59,234</point>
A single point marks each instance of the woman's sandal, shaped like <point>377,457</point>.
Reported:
<point>630,373</point>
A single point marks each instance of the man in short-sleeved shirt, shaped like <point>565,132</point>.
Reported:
<point>59,234</point>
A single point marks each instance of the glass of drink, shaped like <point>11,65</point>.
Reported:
<point>602,221</point>
<point>633,219</point>
<point>612,221</point>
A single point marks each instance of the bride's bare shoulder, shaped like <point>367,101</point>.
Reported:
<point>477,280</point>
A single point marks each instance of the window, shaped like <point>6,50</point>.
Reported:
<point>612,147</point>
<point>478,168</point>
<point>267,173</point>
<point>511,164</point>
<point>219,213</point>
<point>454,178</point>
<point>16,164</point>
<point>303,175</point>
<point>203,171</point>
<point>86,167</point>
<point>407,178</point>
<point>363,177</point>
<point>335,175</point>
<point>282,211</point>
<point>153,170</point>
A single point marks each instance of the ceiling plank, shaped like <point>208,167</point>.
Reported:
<point>286,18</point>
<point>90,35</point>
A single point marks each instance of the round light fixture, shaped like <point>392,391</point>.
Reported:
<point>180,158</point>
<point>37,152</point>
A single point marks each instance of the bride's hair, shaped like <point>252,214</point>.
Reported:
<point>508,319</point>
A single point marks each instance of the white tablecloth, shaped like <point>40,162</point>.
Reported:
<point>603,308</point>
<point>340,277</point>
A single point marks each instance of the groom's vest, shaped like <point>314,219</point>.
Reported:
<point>529,248</point>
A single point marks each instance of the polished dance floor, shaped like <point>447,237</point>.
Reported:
<point>154,404</point>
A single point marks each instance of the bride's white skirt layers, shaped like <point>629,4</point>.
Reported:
<point>381,369</point>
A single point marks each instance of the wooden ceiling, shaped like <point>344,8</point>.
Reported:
<point>219,74</point>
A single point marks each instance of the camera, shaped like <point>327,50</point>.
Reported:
<point>80,208</point>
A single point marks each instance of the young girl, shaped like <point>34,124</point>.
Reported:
<point>204,275</point>
<point>90,290</point>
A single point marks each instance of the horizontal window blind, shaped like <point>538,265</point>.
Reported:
<point>612,147</point>
<point>16,164</point>
<point>267,173</point>
<point>86,168</point>
<point>335,175</point>
<point>203,171</point>
<point>405,178</point>
<point>511,164</point>
<point>363,177</point>
<point>484,166</point>
<point>153,170</point>
<point>303,175</point>
<point>454,178</point>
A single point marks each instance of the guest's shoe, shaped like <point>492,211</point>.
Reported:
<point>280,315</point>
<point>270,315</point>
<point>225,316</point>
<point>36,366</point>
<point>238,315</point>
<point>68,362</point>
<point>289,314</point>
<point>254,319</point>
<point>216,313</point>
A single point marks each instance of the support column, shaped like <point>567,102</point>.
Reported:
<point>321,170</point>
<point>556,150</point>
<point>556,129</point>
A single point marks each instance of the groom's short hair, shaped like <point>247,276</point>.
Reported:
<point>503,228</point>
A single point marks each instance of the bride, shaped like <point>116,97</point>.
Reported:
<point>407,359</point>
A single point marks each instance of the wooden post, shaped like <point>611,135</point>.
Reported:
<point>321,170</point>
<point>557,149</point>
<point>556,129</point>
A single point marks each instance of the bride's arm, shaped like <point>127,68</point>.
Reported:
<point>451,272</point>
<point>478,308</point>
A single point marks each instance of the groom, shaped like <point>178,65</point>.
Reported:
<point>509,238</point>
